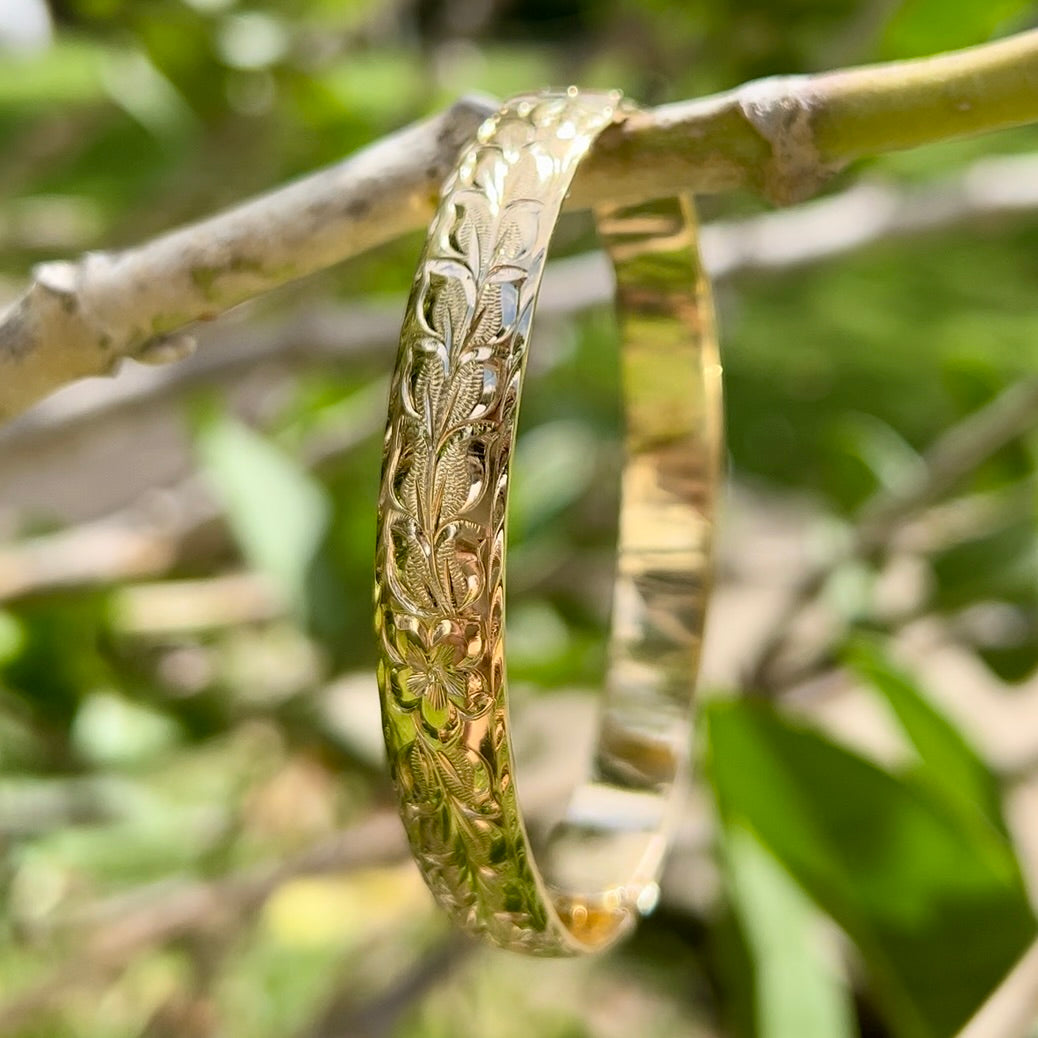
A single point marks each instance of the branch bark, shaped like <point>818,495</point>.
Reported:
<point>782,137</point>
<point>987,193</point>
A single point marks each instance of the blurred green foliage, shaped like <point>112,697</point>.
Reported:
<point>150,741</point>
<point>895,868</point>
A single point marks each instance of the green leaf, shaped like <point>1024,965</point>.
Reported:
<point>12,637</point>
<point>927,26</point>
<point>554,464</point>
<point>998,563</point>
<point>938,910</point>
<point>60,656</point>
<point>278,512</point>
<point>1017,661</point>
<point>949,764</point>
<point>892,464</point>
<point>796,989</point>
<point>66,73</point>
<point>112,730</point>
<point>973,381</point>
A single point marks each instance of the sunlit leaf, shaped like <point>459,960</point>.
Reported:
<point>278,512</point>
<point>66,73</point>
<point>938,910</point>
<point>890,461</point>
<point>949,763</point>
<point>928,26</point>
<point>110,729</point>
<point>554,465</point>
<point>12,637</point>
<point>797,990</point>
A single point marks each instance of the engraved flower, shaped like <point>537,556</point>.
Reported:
<point>438,671</point>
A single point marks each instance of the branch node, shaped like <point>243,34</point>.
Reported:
<point>781,110</point>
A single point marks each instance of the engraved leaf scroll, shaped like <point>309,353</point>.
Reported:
<point>442,512</point>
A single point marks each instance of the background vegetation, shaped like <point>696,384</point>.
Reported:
<point>196,833</point>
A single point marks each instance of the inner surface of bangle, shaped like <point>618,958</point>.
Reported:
<point>613,834</point>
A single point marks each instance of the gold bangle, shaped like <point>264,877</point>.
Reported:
<point>439,591</point>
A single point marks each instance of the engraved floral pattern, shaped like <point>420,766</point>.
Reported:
<point>440,573</point>
<point>437,673</point>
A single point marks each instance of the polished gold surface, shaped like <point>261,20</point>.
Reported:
<point>440,597</point>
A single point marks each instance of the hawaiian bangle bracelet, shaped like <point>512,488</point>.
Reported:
<point>440,566</point>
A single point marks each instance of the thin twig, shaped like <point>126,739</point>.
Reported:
<point>953,455</point>
<point>310,334</point>
<point>346,1017</point>
<point>871,213</point>
<point>783,137</point>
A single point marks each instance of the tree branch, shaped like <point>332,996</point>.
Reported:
<point>988,193</point>
<point>782,137</point>
<point>956,453</point>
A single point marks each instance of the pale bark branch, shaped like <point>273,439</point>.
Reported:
<point>82,318</point>
<point>782,137</point>
<point>988,192</point>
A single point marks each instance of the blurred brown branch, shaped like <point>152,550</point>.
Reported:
<point>346,1016</point>
<point>950,458</point>
<point>156,533</point>
<point>782,137</point>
